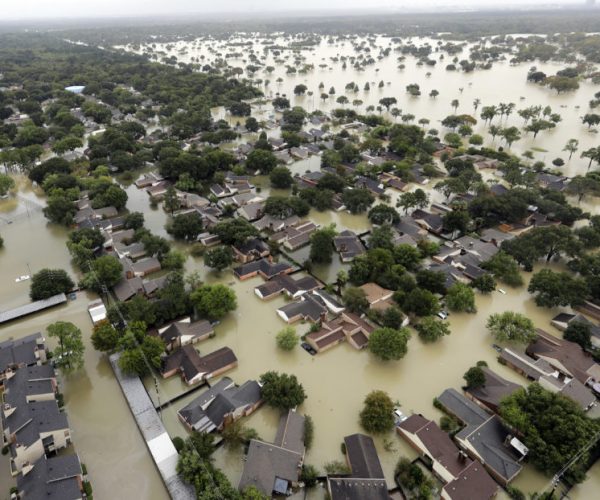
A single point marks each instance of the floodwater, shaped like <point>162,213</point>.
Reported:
<point>503,83</point>
<point>104,433</point>
<point>336,381</point>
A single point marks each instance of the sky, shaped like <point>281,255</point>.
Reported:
<point>45,9</point>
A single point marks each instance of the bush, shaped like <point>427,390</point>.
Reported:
<point>178,443</point>
<point>309,475</point>
<point>87,488</point>
<point>309,431</point>
<point>287,338</point>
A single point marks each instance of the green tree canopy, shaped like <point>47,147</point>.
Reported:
<point>214,301</point>
<point>49,282</point>
<point>377,415</point>
<point>281,391</point>
<point>68,354</point>
<point>389,343</point>
<point>510,326</point>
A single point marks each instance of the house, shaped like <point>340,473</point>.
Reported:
<point>366,480</point>
<point>295,237</point>
<point>274,468</point>
<point>484,437</point>
<point>221,405</point>
<point>252,249</point>
<point>288,285</point>
<point>265,267</point>
<point>493,391</point>
<point>252,211</point>
<point>195,368</point>
<point>375,187</point>
<point>148,180</point>
<point>495,236</point>
<point>348,326</point>
<point>273,224</point>
<point>308,308</point>
<point>348,245</point>
<point>146,266</point>
<point>32,423</point>
<point>159,189</point>
<point>563,320</point>
<point>473,483</point>
<point>433,223</point>
<point>564,356</point>
<point>392,181</point>
<point>590,309</point>
<point>378,297</point>
<point>329,301</point>
<point>191,200</point>
<point>128,288</point>
<point>550,379</point>
<point>447,461</point>
<point>52,478</point>
<point>27,351</point>
<point>223,191</point>
<point>184,332</point>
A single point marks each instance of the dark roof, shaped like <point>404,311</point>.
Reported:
<point>436,442</point>
<point>18,352</point>
<point>53,478</point>
<point>349,488</point>
<point>494,390</point>
<point>290,432</point>
<point>473,483</point>
<point>362,456</point>
<point>208,411</point>
<point>32,307</point>
<point>189,361</point>
<point>568,354</point>
<point>266,463</point>
<point>264,266</point>
<point>181,328</point>
<point>309,308</point>
<point>462,408</point>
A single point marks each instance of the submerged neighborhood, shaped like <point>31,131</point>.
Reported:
<point>254,261</point>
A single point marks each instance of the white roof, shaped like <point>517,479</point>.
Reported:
<point>97,312</point>
<point>164,453</point>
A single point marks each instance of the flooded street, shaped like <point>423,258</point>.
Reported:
<point>104,433</point>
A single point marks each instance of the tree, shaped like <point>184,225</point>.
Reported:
<point>510,326</point>
<point>484,283</point>
<point>557,289</point>
<point>383,214</point>
<point>105,270</point>
<point>282,391</point>
<point>105,337</point>
<point>60,210</point>
<point>377,415</point>
<point>6,184</point>
<point>251,124</point>
<point>300,89</point>
<point>580,333</point>
<point>68,355</point>
<point>554,428</point>
<point>431,329</point>
<point>474,377</point>
<point>561,83</point>
<point>505,268</point>
<point>321,245</point>
<point>186,227</point>
<point>133,220</point>
<point>461,298</point>
<point>287,338</point>
<point>389,343</point>
<point>49,282</point>
<point>510,135</point>
<point>261,161</point>
<point>170,200</point>
<point>388,102</point>
<point>214,301</point>
<point>357,200</point>
<point>235,434</point>
<point>281,178</point>
<point>421,303</point>
<point>454,104</point>
<point>218,258</point>
<point>355,299</point>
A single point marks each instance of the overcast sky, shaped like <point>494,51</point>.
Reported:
<point>37,9</point>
